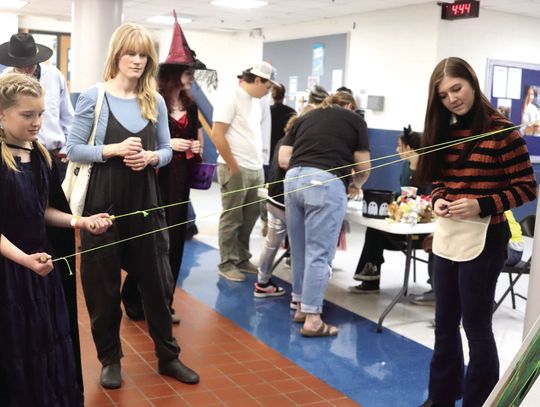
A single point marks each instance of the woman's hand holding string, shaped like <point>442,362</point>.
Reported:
<point>95,224</point>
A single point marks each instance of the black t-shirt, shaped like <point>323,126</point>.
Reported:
<point>280,116</point>
<point>327,138</point>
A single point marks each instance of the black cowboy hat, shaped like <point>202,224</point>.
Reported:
<point>22,50</point>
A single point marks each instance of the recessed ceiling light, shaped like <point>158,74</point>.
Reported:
<point>168,20</point>
<point>239,3</point>
<point>12,4</point>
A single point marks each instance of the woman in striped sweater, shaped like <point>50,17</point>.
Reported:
<point>475,179</point>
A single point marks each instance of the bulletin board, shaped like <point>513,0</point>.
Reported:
<point>507,84</point>
<point>302,63</point>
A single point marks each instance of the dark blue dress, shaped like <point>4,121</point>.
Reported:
<point>37,363</point>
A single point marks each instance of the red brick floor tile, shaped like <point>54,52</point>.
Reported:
<point>219,382</point>
<point>260,390</point>
<point>124,395</point>
<point>276,400</point>
<point>202,398</point>
<point>289,386</point>
<point>156,391</point>
<point>248,402</point>
<point>233,368</point>
<point>312,382</point>
<point>174,401</point>
<point>226,357</point>
<point>274,375</point>
<point>246,379</point>
<point>136,403</point>
<point>304,397</point>
<point>232,394</point>
<point>97,398</point>
<point>328,393</point>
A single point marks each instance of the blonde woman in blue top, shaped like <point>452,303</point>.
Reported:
<point>132,140</point>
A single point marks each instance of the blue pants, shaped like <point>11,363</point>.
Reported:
<point>314,216</point>
<point>465,290</point>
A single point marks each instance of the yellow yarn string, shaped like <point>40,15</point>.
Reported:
<point>417,152</point>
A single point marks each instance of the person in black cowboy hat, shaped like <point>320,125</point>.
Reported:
<point>22,55</point>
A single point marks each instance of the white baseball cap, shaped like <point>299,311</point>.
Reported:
<point>263,70</point>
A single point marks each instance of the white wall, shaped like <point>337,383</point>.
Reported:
<point>492,36</point>
<point>8,26</point>
<point>228,53</point>
<point>45,24</point>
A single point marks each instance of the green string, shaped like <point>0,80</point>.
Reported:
<point>418,152</point>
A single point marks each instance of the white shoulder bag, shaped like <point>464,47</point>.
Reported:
<point>75,184</point>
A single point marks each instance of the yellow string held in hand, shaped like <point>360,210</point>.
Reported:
<point>418,152</point>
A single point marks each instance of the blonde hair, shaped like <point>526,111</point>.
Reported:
<point>12,86</point>
<point>128,38</point>
<point>339,98</point>
<point>290,123</point>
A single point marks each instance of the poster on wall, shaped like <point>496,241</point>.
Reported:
<point>530,113</point>
<point>514,89</point>
<point>301,99</point>
<point>337,79</point>
<point>505,107</point>
<point>317,61</point>
<point>293,87</point>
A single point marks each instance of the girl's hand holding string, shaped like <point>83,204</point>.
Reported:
<point>39,263</point>
<point>181,144</point>
<point>140,160</point>
<point>463,208</point>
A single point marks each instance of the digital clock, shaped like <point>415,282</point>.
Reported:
<point>460,9</point>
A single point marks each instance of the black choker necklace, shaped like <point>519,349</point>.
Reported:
<point>19,147</point>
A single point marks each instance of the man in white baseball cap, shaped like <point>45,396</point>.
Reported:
<point>237,135</point>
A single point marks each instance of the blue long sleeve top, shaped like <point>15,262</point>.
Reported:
<point>127,112</point>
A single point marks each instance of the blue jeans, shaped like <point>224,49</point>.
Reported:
<point>314,217</point>
<point>465,290</point>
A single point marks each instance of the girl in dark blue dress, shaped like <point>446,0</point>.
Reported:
<point>39,365</point>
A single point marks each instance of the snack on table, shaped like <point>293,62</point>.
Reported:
<point>411,209</point>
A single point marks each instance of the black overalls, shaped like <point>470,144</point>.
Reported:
<point>116,189</point>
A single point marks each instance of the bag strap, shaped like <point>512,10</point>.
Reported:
<point>97,111</point>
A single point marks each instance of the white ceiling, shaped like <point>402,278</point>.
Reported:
<point>277,13</point>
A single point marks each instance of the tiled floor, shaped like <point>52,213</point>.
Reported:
<point>236,368</point>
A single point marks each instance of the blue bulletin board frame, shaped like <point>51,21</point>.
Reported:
<point>530,75</point>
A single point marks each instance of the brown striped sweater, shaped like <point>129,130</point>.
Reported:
<point>498,173</point>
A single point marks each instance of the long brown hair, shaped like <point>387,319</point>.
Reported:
<point>127,38</point>
<point>438,117</point>
<point>12,86</point>
<point>169,76</point>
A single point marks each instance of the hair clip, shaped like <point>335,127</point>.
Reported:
<point>407,131</point>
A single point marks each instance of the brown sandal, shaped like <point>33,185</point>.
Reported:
<point>324,330</point>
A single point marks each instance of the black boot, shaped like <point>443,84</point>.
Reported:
<point>111,376</point>
<point>176,369</point>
